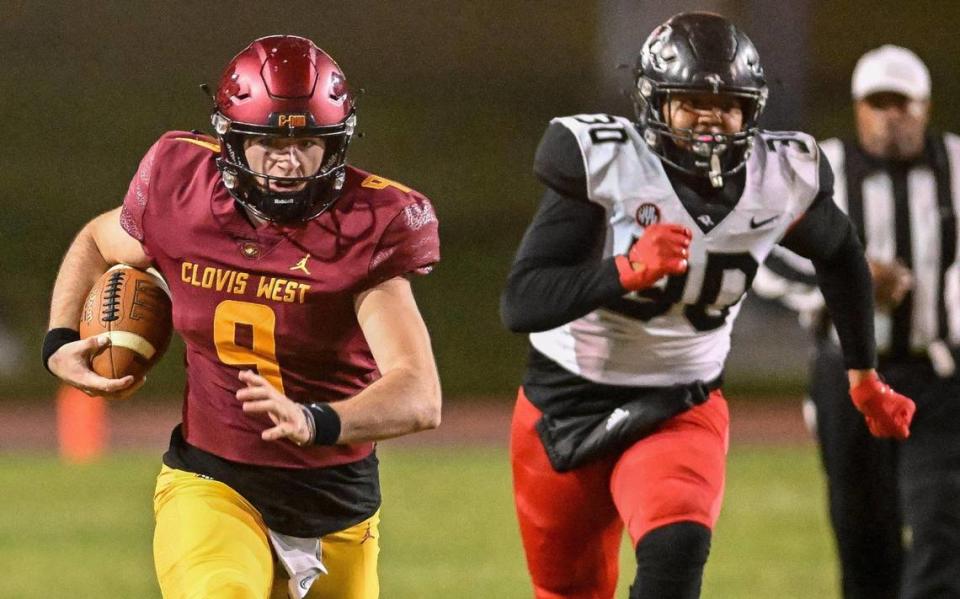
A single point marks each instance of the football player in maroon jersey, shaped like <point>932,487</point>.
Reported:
<point>289,272</point>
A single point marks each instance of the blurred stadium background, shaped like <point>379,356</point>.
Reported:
<point>456,97</point>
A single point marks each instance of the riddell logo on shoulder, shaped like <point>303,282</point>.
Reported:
<point>292,120</point>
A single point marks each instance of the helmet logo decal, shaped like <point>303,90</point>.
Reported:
<point>648,214</point>
<point>338,86</point>
<point>292,120</point>
<point>658,49</point>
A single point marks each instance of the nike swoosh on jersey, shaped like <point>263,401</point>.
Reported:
<point>756,224</point>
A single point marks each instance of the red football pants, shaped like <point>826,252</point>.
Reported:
<point>571,523</point>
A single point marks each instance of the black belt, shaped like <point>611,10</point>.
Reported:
<point>574,440</point>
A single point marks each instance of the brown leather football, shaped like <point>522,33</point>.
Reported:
<point>133,307</point>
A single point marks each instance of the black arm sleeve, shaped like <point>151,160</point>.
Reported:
<point>559,274</point>
<point>827,237</point>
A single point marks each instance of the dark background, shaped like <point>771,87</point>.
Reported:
<point>456,97</point>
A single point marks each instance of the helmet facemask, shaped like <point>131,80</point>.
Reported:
<point>703,154</point>
<point>252,189</point>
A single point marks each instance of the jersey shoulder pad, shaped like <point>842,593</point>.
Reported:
<point>178,150</point>
<point>594,156</point>
<point>383,193</point>
<point>387,200</point>
<point>174,158</point>
<point>189,141</point>
<point>796,146</point>
<point>405,238</point>
<point>792,159</point>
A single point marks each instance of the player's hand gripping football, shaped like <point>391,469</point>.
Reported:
<point>887,412</point>
<point>260,397</point>
<point>71,364</point>
<point>661,250</point>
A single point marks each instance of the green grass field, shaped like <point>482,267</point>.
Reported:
<point>448,527</point>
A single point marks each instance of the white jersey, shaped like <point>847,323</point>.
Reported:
<point>678,331</point>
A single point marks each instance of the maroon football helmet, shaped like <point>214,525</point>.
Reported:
<point>283,85</point>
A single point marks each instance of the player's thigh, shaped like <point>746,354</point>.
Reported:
<point>350,557</point>
<point>677,473</point>
<point>209,542</point>
<point>568,523</point>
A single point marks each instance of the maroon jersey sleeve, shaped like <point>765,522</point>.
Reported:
<point>135,202</point>
<point>410,244</point>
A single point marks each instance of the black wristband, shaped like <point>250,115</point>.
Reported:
<point>326,424</point>
<point>54,340</point>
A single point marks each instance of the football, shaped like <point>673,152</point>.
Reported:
<point>133,307</point>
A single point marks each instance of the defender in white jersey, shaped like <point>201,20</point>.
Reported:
<point>629,279</point>
<point>687,324</point>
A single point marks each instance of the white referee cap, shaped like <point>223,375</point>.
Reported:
<point>890,68</point>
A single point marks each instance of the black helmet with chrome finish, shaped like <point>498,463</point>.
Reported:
<point>697,52</point>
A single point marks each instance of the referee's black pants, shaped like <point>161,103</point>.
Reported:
<point>882,547</point>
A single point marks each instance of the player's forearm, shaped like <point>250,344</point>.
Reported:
<point>81,266</point>
<point>844,280</point>
<point>559,273</point>
<point>542,298</point>
<point>404,400</point>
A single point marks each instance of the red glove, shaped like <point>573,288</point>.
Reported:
<point>888,413</point>
<point>661,250</point>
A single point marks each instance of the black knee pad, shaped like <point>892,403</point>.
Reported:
<point>670,562</point>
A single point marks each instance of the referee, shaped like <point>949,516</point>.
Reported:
<point>894,506</point>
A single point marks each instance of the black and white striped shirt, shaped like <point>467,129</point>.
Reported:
<point>902,210</point>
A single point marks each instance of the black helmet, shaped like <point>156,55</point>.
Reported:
<point>699,52</point>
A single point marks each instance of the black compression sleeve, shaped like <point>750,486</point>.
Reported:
<point>559,274</point>
<point>847,288</point>
<point>827,237</point>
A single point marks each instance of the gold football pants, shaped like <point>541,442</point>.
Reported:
<point>210,543</point>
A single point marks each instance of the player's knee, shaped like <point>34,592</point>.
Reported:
<point>575,591</point>
<point>575,582</point>
<point>670,562</point>
<point>572,578</point>
<point>674,501</point>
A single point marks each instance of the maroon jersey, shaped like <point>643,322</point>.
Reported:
<point>276,299</point>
